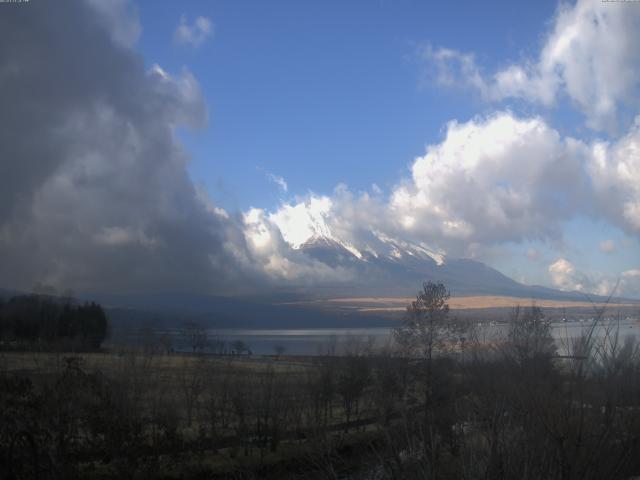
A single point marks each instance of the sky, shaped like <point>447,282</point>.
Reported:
<point>195,145</point>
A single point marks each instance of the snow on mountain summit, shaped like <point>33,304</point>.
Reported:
<point>299,223</point>
<point>306,226</point>
<point>400,248</point>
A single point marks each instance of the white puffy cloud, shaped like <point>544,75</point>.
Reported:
<point>564,276</point>
<point>593,54</point>
<point>590,55</point>
<point>193,34</point>
<point>355,221</point>
<point>615,172</point>
<point>629,283</point>
<point>451,68</point>
<point>607,246</point>
<point>298,223</point>
<point>626,285</point>
<point>280,259</point>
<point>492,180</point>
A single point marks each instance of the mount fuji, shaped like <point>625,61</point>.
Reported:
<point>395,267</point>
<point>370,262</point>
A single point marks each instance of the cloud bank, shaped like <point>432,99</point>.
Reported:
<point>94,189</point>
<point>590,55</point>
<point>490,181</point>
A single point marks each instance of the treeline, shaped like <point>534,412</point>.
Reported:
<point>51,322</point>
<point>438,403</point>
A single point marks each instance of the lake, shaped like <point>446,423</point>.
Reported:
<point>321,341</point>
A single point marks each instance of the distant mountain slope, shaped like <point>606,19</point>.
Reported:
<point>399,268</point>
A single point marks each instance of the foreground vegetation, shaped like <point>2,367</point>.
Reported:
<point>434,404</point>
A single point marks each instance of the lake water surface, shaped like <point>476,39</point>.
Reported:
<point>321,341</point>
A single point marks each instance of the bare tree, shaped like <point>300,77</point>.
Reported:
<point>529,336</point>
<point>353,379</point>
<point>427,332</point>
<point>195,336</point>
<point>427,328</point>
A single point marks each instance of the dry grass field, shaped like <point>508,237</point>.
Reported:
<point>129,361</point>
<point>392,304</point>
<point>140,414</point>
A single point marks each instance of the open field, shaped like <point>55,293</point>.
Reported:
<point>398,304</point>
<point>137,414</point>
<point>453,408</point>
<point>182,415</point>
<point>422,405</point>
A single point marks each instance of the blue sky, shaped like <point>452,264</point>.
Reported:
<point>325,92</point>
<point>328,93</point>
<point>507,132</point>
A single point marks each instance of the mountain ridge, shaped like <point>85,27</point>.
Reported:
<point>403,268</point>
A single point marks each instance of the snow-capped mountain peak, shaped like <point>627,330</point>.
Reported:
<point>299,223</point>
<point>400,248</point>
<point>306,226</point>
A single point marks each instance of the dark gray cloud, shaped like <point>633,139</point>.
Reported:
<point>94,191</point>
